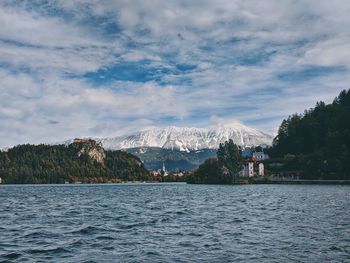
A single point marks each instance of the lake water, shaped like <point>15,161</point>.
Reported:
<point>174,223</point>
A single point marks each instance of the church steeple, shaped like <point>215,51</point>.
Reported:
<point>164,170</point>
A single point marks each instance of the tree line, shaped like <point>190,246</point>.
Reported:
<point>60,163</point>
<point>317,142</point>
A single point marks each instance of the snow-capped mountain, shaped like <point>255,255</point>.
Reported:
<point>186,139</point>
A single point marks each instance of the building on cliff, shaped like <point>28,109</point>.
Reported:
<point>84,140</point>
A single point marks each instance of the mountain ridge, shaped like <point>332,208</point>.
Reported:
<point>182,138</point>
<point>189,138</point>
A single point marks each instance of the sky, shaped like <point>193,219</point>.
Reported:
<point>109,67</point>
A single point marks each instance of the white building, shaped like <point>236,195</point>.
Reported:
<point>248,170</point>
<point>244,172</point>
<point>261,169</point>
<point>251,169</point>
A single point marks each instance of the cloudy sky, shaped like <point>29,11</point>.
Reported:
<point>108,67</point>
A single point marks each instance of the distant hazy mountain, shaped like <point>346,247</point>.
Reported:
<point>189,139</point>
<point>155,157</point>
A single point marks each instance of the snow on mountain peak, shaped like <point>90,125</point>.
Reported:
<point>187,138</point>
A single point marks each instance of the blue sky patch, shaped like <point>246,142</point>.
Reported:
<point>310,72</point>
<point>127,71</point>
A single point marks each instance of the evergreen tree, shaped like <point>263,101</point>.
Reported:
<point>319,140</point>
<point>229,158</point>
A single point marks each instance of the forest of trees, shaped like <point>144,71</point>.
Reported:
<point>317,143</point>
<point>61,163</point>
<point>220,170</point>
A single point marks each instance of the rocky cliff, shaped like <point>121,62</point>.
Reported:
<point>92,149</point>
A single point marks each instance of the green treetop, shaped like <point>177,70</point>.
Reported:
<point>229,157</point>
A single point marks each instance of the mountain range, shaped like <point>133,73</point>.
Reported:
<point>189,139</point>
<point>183,148</point>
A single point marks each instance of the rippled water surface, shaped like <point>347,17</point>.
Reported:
<point>174,223</point>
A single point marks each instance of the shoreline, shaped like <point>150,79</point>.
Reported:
<point>88,184</point>
<point>323,182</point>
<point>297,182</point>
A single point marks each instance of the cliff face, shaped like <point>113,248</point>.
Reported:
<point>97,154</point>
<point>93,149</point>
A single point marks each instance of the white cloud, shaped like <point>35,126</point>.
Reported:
<point>238,50</point>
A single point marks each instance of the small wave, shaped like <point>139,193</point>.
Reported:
<point>153,253</point>
<point>105,238</point>
<point>56,250</point>
<point>130,226</point>
<point>176,234</point>
<point>166,219</point>
<point>76,243</point>
<point>335,248</point>
<point>153,221</point>
<point>12,255</point>
<point>237,220</point>
<point>181,212</point>
<point>108,248</point>
<point>195,234</point>
<point>85,230</point>
<point>38,234</point>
